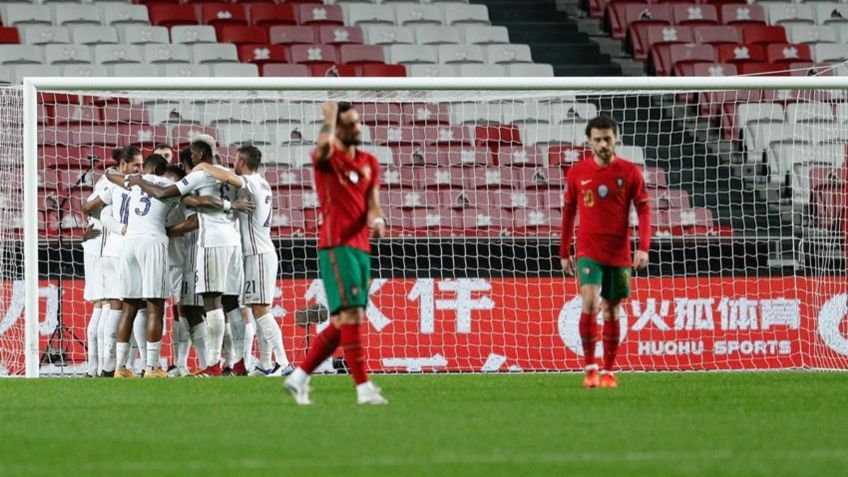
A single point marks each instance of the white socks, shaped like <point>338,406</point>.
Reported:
<point>109,339</point>
<point>153,352</point>
<point>264,349</point>
<point>215,329</point>
<point>200,339</point>
<point>227,346</point>
<point>274,338</point>
<point>249,334</point>
<point>236,323</point>
<point>91,339</point>
<point>101,335</point>
<point>140,334</point>
<point>182,336</point>
<point>122,351</point>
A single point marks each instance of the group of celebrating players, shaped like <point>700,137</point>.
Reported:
<point>199,233</point>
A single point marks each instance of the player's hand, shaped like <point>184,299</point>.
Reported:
<point>640,259</point>
<point>378,227</point>
<point>133,180</point>
<point>90,232</point>
<point>330,110</point>
<point>567,266</point>
<point>243,204</point>
<point>172,232</point>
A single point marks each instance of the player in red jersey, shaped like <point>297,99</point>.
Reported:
<point>601,188</point>
<point>348,183</point>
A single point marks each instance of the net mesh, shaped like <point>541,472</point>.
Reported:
<point>747,192</point>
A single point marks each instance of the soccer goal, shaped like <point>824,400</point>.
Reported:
<point>746,178</point>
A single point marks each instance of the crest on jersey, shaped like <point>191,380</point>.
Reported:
<point>603,191</point>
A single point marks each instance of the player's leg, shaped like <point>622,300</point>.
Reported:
<point>235,347</point>
<point>91,341</point>
<point>616,288</point>
<point>124,331</point>
<point>111,268</point>
<point>260,287</point>
<point>139,336</point>
<point>590,277</point>
<point>105,310</point>
<point>198,334</point>
<point>93,294</point>
<point>249,336</point>
<point>211,283</point>
<point>155,325</point>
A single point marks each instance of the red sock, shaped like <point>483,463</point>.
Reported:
<point>353,353</point>
<point>322,347</point>
<point>612,332</point>
<point>589,336</point>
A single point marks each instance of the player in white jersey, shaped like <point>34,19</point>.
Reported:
<point>260,256</point>
<point>219,260</point>
<point>110,204</point>
<point>144,266</point>
<point>92,245</point>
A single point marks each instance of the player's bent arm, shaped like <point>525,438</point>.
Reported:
<point>109,222</point>
<point>184,227</point>
<point>92,207</point>
<point>220,173</point>
<point>154,190</point>
<point>116,178</point>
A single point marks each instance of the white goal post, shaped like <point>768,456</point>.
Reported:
<point>492,90</point>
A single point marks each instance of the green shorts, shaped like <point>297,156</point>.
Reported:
<point>346,273</point>
<point>614,281</point>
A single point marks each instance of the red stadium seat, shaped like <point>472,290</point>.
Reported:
<point>336,35</point>
<point>217,14</point>
<point>440,177</point>
<point>9,35</point>
<point>759,34</point>
<point>516,199</point>
<point>268,15</point>
<point>285,70</point>
<point>521,156</point>
<point>361,54</point>
<point>771,69</point>
<point>643,37</point>
<point>320,15</point>
<point>497,135</point>
<point>397,178</point>
<point>171,15</point>
<point>144,135</point>
<point>333,71</point>
<point>126,113</point>
<point>242,35</point>
<point>261,54</point>
<point>417,156</point>
<point>655,177</point>
<point>489,178</point>
<point>741,54</point>
<point>566,155</point>
<point>664,58</point>
<point>376,69</point>
<point>695,15</point>
<point>80,157</point>
<point>314,54</point>
<point>397,135</point>
<point>788,53</point>
<point>541,221</point>
<point>538,178</point>
<point>716,35</point>
<point>444,135</point>
<point>425,113</point>
<point>65,114</point>
<point>705,69</point>
<point>373,114</point>
<point>293,35</point>
<point>743,14</point>
<point>294,178</point>
<point>622,16</point>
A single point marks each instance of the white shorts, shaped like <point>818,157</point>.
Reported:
<point>219,270</point>
<point>260,279</point>
<point>111,277</point>
<point>175,279</point>
<point>93,279</point>
<point>144,269</point>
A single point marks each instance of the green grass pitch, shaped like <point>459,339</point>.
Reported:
<point>692,424</point>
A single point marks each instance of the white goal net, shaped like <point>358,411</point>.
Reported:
<point>747,192</point>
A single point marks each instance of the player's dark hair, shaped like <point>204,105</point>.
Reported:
<point>185,159</point>
<point>156,163</point>
<point>601,122</point>
<point>130,152</point>
<point>204,148</point>
<point>252,156</point>
<point>175,171</point>
<point>344,107</point>
<point>118,154</point>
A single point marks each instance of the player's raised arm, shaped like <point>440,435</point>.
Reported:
<point>220,173</point>
<point>643,208</point>
<point>327,135</point>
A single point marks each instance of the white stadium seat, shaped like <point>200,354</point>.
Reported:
<point>462,14</point>
<point>432,71</point>
<point>69,15</point>
<point>529,111</point>
<point>364,15</point>
<point>748,113</point>
<point>505,54</point>
<point>143,34</point>
<point>115,54</point>
<point>205,53</point>
<point>482,70</point>
<point>44,35</point>
<point>759,137</point>
<point>161,54</point>
<point>240,133</point>
<point>86,71</point>
<point>437,35</point>
<point>634,154</point>
<point>570,112</point>
<point>809,112</point>
<point>67,54</point>
<point>824,52</point>
<point>184,71</point>
<point>460,54</point>
<point>413,54</point>
<point>470,113</point>
<point>28,15</point>
<point>841,111</point>
<point>134,69</point>
<point>7,75</point>
<point>530,70</point>
<point>94,35</point>
<point>191,34</point>
<point>485,35</point>
<point>785,13</point>
<point>831,13</point>
<point>22,71</point>
<point>801,33</point>
<point>410,14</point>
<point>293,156</point>
<point>553,133</point>
<point>114,14</point>
<point>235,70</point>
<point>389,35</point>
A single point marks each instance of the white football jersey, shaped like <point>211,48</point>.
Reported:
<point>119,199</point>
<point>96,244</point>
<point>256,226</point>
<point>147,214</point>
<point>176,245</point>
<point>217,228</point>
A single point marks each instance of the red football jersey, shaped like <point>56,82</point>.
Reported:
<point>343,184</point>
<point>603,196</point>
